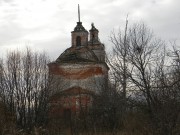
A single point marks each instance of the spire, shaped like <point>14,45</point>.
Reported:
<point>79,26</point>
<point>78,13</point>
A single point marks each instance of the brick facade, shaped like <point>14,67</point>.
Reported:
<point>78,73</point>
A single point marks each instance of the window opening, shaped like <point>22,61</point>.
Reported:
<point>78,41</point>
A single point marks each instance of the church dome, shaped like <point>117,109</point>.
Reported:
<point>72,55</point>
<point>79,27</point>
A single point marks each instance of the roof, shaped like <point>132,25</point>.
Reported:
<point>73,55</point>
<point>79,27</point>
<point>93,28</point>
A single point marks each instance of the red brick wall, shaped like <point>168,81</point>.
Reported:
<point>58,105</point>
<point>76,73</point>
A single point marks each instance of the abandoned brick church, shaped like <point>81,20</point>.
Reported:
<point>78,73</point>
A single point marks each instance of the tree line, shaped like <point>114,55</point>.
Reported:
<point>146,73</point>
<point>24,87</point>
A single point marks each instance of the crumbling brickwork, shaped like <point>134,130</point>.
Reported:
<point>78,73</point>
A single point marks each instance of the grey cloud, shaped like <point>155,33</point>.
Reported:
<point>7,0</point>
<point>106,14</point>
<point>54,47</point>
<point>9,33</point>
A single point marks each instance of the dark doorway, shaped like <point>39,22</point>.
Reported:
<point>67,116</point>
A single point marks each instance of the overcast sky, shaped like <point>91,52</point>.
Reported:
<point>46,25</point>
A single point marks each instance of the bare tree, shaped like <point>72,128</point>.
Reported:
<point>142,56</point>
<point>119,62</point>
<point>141,67</point>
<point>117,95</point>
<point>24,85</point>
<point>153,79</point>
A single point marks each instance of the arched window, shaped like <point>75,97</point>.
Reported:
<point>93,36</point>
<point>78,41</point>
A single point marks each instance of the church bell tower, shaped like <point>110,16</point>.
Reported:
<point>80,34</point>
